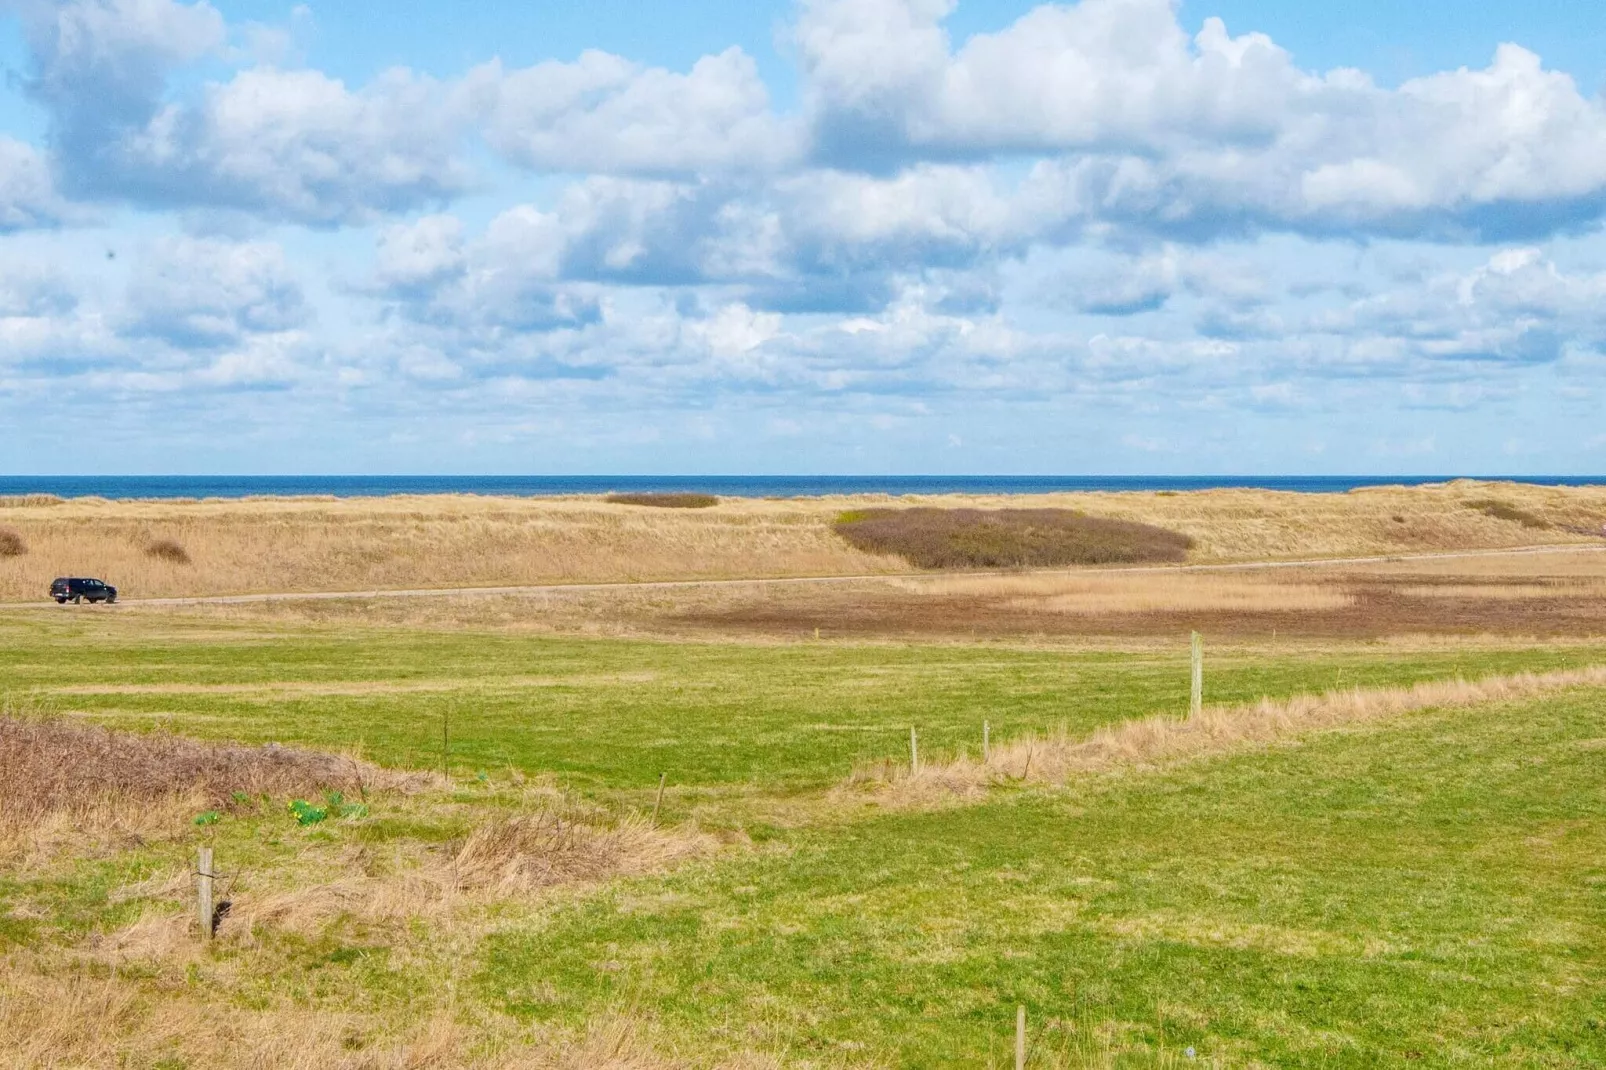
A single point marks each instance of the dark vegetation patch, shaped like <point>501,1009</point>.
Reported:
<point>1382,607</point>
<point>48,764</point>
<point>11,544</point>
<point>1506,511</point>
<point>168,550</point>
<point>665,501</point>
<point>1008,538</point>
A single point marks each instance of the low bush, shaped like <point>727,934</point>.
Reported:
<point>49,764</point>
<point>168,550</point>
<point>665,501</point>
<point>11,544</point>
<point>1506,511</point>
<point>1008,538</point>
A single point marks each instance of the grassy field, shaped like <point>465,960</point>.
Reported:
<point>1426,889</point>
<point>613,715</point>
<point>449,541</point>
<point>1350,859</point>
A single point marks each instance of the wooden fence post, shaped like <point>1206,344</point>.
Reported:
<point>914,752</point>
<point>986,742</point>
<point>1196,695</point>
<point>446,742</point>
<point>659,800</point>
<point>203,893</point>
<point>1020,1038</point>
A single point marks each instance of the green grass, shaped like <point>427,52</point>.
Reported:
<point>1427,891</point>
<point>609,715</point>
<point>1432,893</point>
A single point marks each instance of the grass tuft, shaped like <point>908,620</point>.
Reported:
<point>11,544</point>
<point>1506,511</point>
<point>1009,538</point>
<point>665,501</point>
<point>168,550</point>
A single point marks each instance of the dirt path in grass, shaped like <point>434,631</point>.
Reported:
<point>796,581</point>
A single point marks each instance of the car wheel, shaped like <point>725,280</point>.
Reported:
<point>110,600</point>
<point>61,601</point>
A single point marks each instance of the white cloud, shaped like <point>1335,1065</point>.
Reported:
<point>206,294</point>
<point>28,196</point>
<point>285,144</point>
<point>604,114</point>
<point>1139,125</point>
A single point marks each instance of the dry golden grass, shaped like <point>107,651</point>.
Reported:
<point>151,992</point>
<point>448,541</point>
<point>306,544</point>
<point>83,1018</point>
<point>1160,740</point>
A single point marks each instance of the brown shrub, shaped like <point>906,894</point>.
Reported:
<point>665,501</point>
<point>11,544</point>
<point>50,765</point>
<point>168,550</point>
<point>1008,538</point>
<point>1506,511</point>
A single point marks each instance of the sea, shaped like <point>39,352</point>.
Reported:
<point>347,486</point>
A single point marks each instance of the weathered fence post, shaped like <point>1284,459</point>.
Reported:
<point>1196,696</point>
<point>986,742</point>
<point>657,802</point>
<point>1020,1038</point>
<point>914,751</point>
<point>446,742</point>
<point>203,893</point>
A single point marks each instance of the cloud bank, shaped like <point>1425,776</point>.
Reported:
<point>1091,207</point>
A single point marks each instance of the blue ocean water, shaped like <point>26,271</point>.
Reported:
<point>725,486</point>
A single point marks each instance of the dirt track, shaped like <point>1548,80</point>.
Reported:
<point>458,592</point>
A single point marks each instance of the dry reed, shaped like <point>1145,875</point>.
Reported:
<point>1160,740</point>
<point>11,543</point>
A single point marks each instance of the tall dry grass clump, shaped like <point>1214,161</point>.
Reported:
<point>665,500</point>
<point>1009,538</point>
<point>522,853</point>
<point>169,550</point>
<point>11,543</point>
<point>1160,740</point>
<point>49,764</point>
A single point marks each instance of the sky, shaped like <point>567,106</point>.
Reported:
<point>803,236</point>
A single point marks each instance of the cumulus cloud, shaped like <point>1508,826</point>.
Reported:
<point>203,294</point>
<point>28,195</point>
<point>605,114</point>
<point>295,145</point>
<point>1140,125</point>
<point>506,282</point>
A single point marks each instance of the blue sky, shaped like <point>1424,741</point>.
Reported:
<point>1114,236</point>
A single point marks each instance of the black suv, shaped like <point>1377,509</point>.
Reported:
<point>79,590</point>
